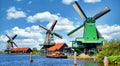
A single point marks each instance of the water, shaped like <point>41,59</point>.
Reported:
<point>24,60</point>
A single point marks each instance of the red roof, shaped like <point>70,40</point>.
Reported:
<point>20,49</point>
<point>56,47</point>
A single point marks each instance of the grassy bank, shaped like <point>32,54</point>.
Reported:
<point>82,56</point>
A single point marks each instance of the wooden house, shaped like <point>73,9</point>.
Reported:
<point>21,50</point>
<point>58,47</point>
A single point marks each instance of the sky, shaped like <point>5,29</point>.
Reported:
<point>22,17</point>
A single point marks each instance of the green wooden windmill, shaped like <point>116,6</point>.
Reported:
<point>92,36</point>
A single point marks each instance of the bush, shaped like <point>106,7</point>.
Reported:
<point>114,59</point>
<point>111,49</point>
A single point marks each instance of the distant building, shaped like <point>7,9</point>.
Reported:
<point>21,50</point>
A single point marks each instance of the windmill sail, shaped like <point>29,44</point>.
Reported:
<point>53,25</point>
<point>15,44</point>
<point>14,37</point>
<point>98,34</point>
<point>76,31</point>
<point>79,10</point>
<point>8,37</point>
<point>43,28</point>
<point>101,13</point>
<point>58,35</point>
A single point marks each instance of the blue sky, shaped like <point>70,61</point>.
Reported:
<point>22,17</point>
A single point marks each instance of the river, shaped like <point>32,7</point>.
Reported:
<point>24,60</point>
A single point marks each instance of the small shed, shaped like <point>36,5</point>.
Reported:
<point>21,50</point>
<point>58,47</point>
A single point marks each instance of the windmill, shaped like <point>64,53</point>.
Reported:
<point>92,36</point>
<point>10,43</point>
<point>49,39</point>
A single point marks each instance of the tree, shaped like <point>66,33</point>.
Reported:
<point>35,51</point>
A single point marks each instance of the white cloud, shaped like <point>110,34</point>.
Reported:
<point>110,32</point>
<point>28,32</point>
<point>27,37</point>
<point>29,42</point>
<point>44,16</point>
<point>63,24</point>
<point>3,38</point>
<point>13,13</point>
<point>67,2</point>
<point>60,40</point>
<point>91,1</point>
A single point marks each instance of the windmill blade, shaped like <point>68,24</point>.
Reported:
<point>43,28</point>
<point>53,25</point>
<point>57,35</point>
<point>11,45</point>
<point>98,33</point>
<point>76,31</point>
<point>14,37</point>
<point>101,13</point>
<point>79,10</point>
<point>8,37</point>
<point>15,44</point>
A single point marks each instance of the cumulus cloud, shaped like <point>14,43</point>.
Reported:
<point>91,1</point>
<point>28,42</point>
<point>3,38</point>
<point>27,37</point>
<point>110,32</point>
<point>44,16</point>
<point>67,2</point>
<point>63,24</point>
<point>13,13</point>
<point>28,32</point>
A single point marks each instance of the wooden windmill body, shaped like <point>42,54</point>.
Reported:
<point>49,39</point>
<point>10,44</point>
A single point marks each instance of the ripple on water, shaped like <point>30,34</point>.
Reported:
<point>23,60</point>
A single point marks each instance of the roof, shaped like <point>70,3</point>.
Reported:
<point>56,47</point>
<point>20,49</point>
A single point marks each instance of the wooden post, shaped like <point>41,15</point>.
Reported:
<point>31,59</point>
<point>105,61</point>
<point>75,59</point>
<point>94,59</point>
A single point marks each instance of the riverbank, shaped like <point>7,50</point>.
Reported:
<point>1,52</point>
<point>82,56</point>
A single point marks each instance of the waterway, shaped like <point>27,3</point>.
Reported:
<point>38,60</point>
